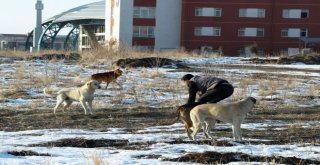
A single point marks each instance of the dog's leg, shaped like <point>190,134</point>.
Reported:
<point>107,85</point>
<point>236,129</point>
<point>196,128</point>
<point>90,107</point>
<point>196,124</point>
<point>187,129</point>
<point>205,126</point>
<point>209,125</point>
<point>84,106</point>
<point>59,102</point>
<point>233,132</point>
<point>66,104</point>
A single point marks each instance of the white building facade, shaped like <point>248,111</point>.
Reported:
<point>144,24</point>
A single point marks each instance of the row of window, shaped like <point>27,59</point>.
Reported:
<point>144,12</point>
<point>143,31</point>
<point>250,32</point>
<point>252,12</point>
<point>150,12</point>
<point>148,32</point>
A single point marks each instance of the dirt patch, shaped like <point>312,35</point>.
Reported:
<point>71,56</point>
<point>266,68</point>
<point>14,94</point>
<point>153,156</point>
<point>133,119</point>
<point>257,60</point>
<point>203,142</point>
<point>150,62</point>
<point>95,143</point>
<point>129,118</point>
<point>83,143</point>
<point>224,158</point>
<point>313,59</point>
<point>26,153</point>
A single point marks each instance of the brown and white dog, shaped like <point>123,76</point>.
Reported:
<point>83,94</point>
<point>233,113</point>
<point>183,113</point>
<point>107,77</point>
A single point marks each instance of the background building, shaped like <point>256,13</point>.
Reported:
<point>82,27</point>
<point>18,42</point>
<point>144,24</point>
<point>12,41</point>
<point>272,26</point>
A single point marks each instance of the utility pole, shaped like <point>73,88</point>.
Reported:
<point>38,30</point>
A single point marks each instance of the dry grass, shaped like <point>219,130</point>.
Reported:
<point>27,54</point>
<point>268,87</point>
<point>313,90</point>
<point>28,76</point>
<point>12,92</point>
<point>96,159</point>
<point>11,53</point>
<point>113,55</point>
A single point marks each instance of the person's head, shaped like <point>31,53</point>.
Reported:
<point>186,78</point>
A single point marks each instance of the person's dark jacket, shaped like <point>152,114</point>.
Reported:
<point>202,84</point>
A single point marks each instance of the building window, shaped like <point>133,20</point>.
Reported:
<point>295,13</point>
<point>143,31</point>
<point>207,31</point>
<point>144,12</point>
<point>143,48</point>
<point>294,32</point>
<point>207,12</point>
<point>252,13</point>
<point>99,29</point>
<point>251,32</point>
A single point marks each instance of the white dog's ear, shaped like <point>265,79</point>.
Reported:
<point>89,84</point>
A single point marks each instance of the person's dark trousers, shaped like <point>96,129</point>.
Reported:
<point>217,94</point>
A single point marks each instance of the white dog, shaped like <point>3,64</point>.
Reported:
<point>83,94</point>
<point>233,113</point>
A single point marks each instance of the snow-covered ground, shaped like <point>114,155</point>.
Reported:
<point>18,141</point>
<point>139,88</point>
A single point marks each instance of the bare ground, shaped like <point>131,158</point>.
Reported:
<point>133,119</point>
<point>139,118</point>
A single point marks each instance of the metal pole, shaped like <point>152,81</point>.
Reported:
<point>38,29</point>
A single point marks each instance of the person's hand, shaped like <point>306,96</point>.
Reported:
<point>190,105</point>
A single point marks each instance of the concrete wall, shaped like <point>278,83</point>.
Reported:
<point>168,24</point>
<point>125,23</point>
<point>108,20</point>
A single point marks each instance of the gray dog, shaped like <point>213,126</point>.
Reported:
<point>84,94</point>
<point>233,113</point>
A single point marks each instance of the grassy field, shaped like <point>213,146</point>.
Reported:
<point>288,102</point>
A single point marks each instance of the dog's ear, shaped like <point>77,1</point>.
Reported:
<point>89,84</point>
<point>181,109</point>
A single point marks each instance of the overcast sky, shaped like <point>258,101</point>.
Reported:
<point>19,16</point>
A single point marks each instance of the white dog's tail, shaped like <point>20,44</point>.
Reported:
<point>49,93</point>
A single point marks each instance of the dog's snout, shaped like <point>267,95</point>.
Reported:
<point>253,100</point>
<point>98,85</point>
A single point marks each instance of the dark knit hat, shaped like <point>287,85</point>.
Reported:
<point>187,77</point>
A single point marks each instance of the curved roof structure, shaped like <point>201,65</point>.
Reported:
<point>92,13</point>
<point>95,10</point>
